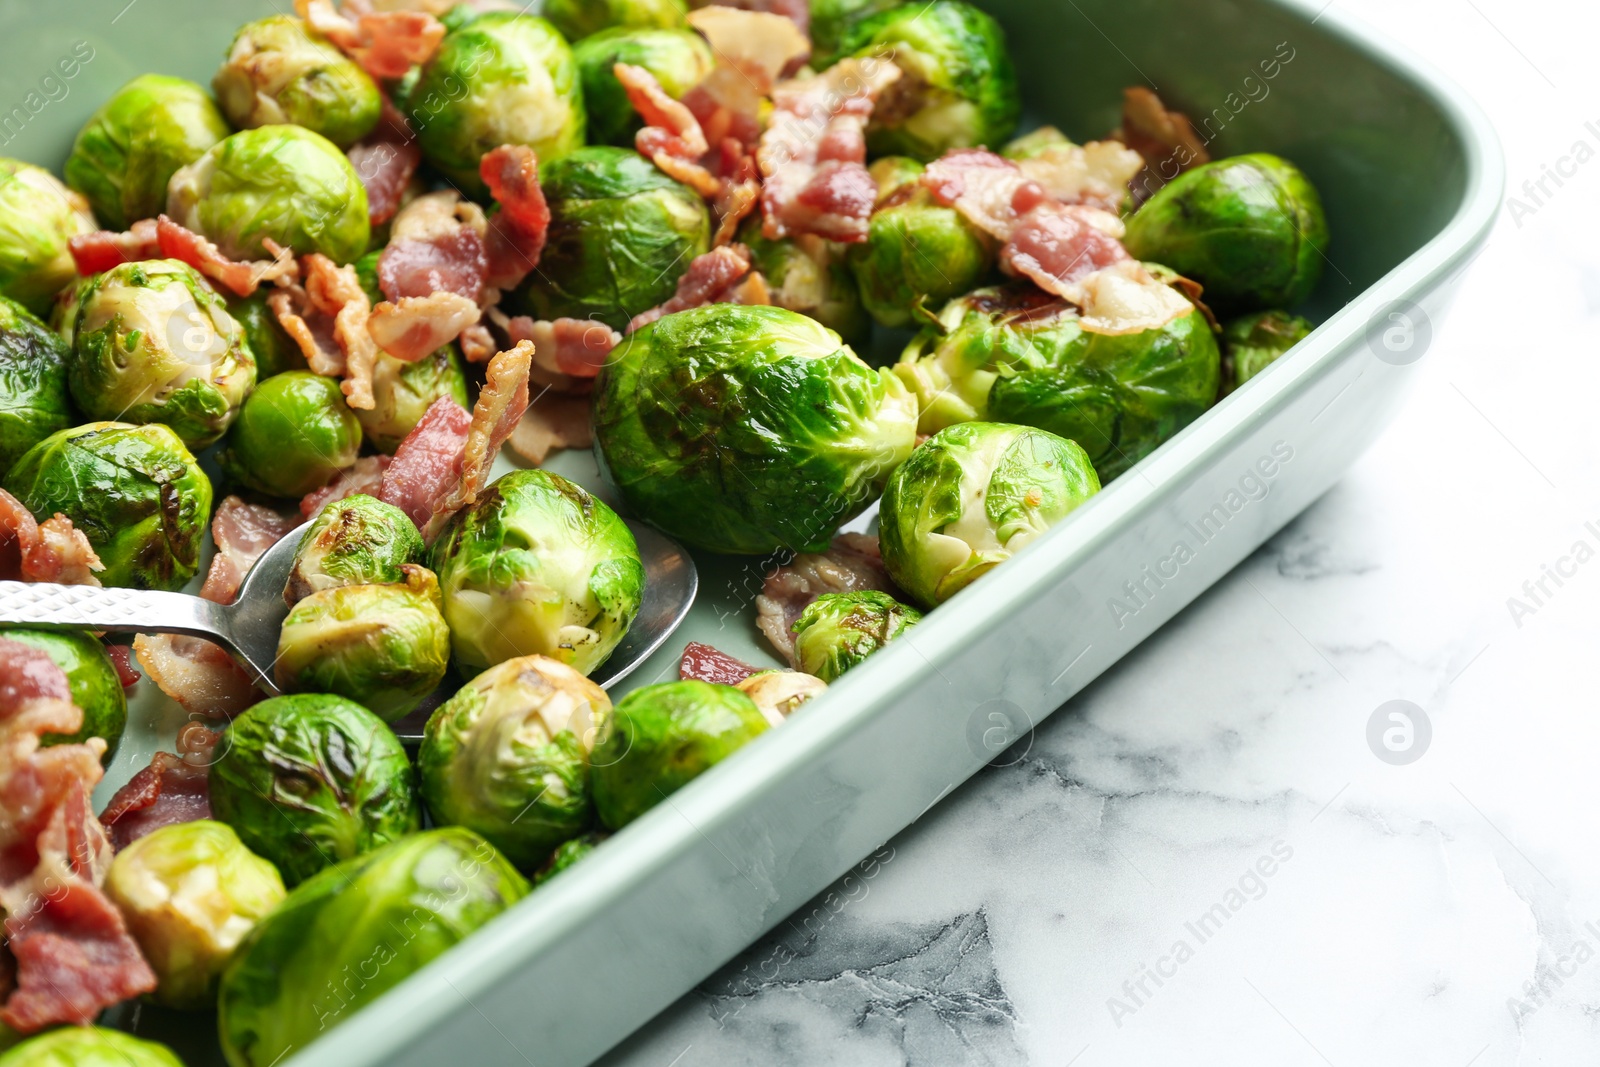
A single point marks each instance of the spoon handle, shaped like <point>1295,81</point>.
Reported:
<point>47,606</point>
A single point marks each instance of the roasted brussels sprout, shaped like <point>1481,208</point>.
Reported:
<point>131,147</point>
<point>383,646</point>
<point>152,342</point>
<point>779,693</point>
<point>88,1046</point>
<point>679,59</point>
<point>135,492</point>
<point>274,350</point>
<point>311,779</point>
<point>38,216</point>
<point>809,275</point>
<point>282,182</point>
<point>1015,354</point>
<point>745,429</point>
<point>537,565</point>
<point>1252,342</point>
<point>566,854</point>
<point>508,756</point>
<point>831,20</point>
<point>357,540</point>
<point>34,402</point>
<point>577,19</point>
<point>620,231</point>
<point>969,498</point>
<point>503,78</point>
<point>660,737</point>
<point>279,70</point>
<point>353,932</point>
<point>92,680</point>
<point>836,631</point>
<point>957,86</point>
<point>189,892</point>
<point>293,434</point>
<point>402,392</point>
<point>1248,228</point>
<point>918,252</point>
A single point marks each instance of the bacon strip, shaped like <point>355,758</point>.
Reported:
<point>242,278</point>
<point>365,475</point>
<point>51,551</point>
<point>428,462</point>
<point>517,234</point>
<point>94,253</point>
<point>499,408</point>
<point>121,657</point>
<point>704,663</point>
<point>553,421</point>
<point>386,161</point>
<point>414,327</point>
<point>174,788</point>
<point>1164,138</point>
<point>387,44</point>
<point>852,563</point>
<point>199,675</point>
<point>723,275</point>
<point>573,347</point>
<point>671,137</point>
<point>438,242</point>
<point>242,532</point>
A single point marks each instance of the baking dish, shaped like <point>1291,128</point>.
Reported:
<point>1411,176</point>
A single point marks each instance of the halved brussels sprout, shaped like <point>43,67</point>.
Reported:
<point>660,737</point>
<point>353,932</point>
<point>34,402</point>
<point>152,342</point>
<point>357,540</point>
<point>279,70</point>
<point>311,779</point>
<point>131,147</point>
<point>508,756</point>
<point>189,893</point>
<point>809,275</point>
<point>918,252</point>
<point>968,499</point>
<point>1252,342</point>
<point>831,20</point>
<point>577,19</point>
<point>537,566</point>
<point>38,216</point>
<point>88,1046</point>
<point>274,350</point>
<point>836,631</point>
<point>293,434</point>
<point>92,680</point>
<point>502,78</point>
<point>1015,354</point>
<point>620,233</point>
<point>282,182</point>
<point>1248,228</point>
<point>383,646</point>
<point>744,429</point>
<point>779,693</point>
<point>678,58</point>
<point>957,86</point>
<point>135,492</point>
<point>566,854</point>
<point>402,392</point>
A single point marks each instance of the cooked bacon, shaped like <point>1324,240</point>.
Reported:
<point>385,167</point>
<point>417,326</point>
<point>242,532</point>
<point>499,408</point>
<point>427,465</point>
<point>704,663</point>
<point>387,44</point>
<point>174,788</point>
<point>735,203</point>
<point>477,343</point>
<point>1094,174</point>
<point>512,174</point>
<point>1164,138</point>
<point>753,39</point>
<point>437,243</point>
<point>49,551</point>
<point>312,332</point>
<point>199,675</point>
<point>984,187</point>
<point>121,657</point>
<point>553,421</point>
<point>721,276</point>
<point>671,137</point>
<point>574,347</point>
<point>1126,298</point>
<point>335,290</point>
<point>852,563</point>
<point>1056,245</point>
<point>242,278</point>
<point>365,475</point>
<point>101,250</point>
<point>796,11</point>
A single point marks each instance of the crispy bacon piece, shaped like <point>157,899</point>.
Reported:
<point>796,11</point>
<point>753,40</point>
<point>512,174</point>
<point>199,675</point>
<point>121,657</point>
<point>553,421</point>
<point>706,664</point>
<point>335,290</point>
<point>242,278</point>
<point>309,329</point>
<point>385,166</point>
<point>1094,174</point>
<point>1164,138</point>
<point>428,462</point>
<point>417,326</point>
<point>101,250</point>
<point>242,532</point>
<point>49,551</point>
<point>1056,245</point>
<point>174,788</point>
<point>671,137</point>
<point>499,408</point>
<point>852,563</point>
<point>438,242</point>
<point>365,475</point>
<point>477,343</point>
<point>574,347</point>
<point>721,276</point>
<point>387,44</point>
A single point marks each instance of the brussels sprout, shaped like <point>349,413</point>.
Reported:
<point>353,932</point>
<point>508,756</point>
<point>745,429</point>
<point>38,216</point>
<point>678,58</point>
<point>357,540</point>
<point>620,232</point>
<point>1040,142</point>
<point>957,87</point>
<point>836,631</point>
<point>577,19</point>
<point>831,20</point>
<point>127,151</point>
<point>274,350</point>
<point>312,779</point>
<point>566,854</point>
<point>279,70</point>
<point>282,182</point>
<point>152,342</point>
<point>34,402</point>
<point>809,275</point>
<point>135,492</point>
<point>1250,343</point>
<point>503,78</point>
<point>1015,354</point>
<point>402,392</point>
<point>91,679</point>
<point>383,646</point>
<point>967,499</point>
<point>537,565</point>
<point>1250,229</point>
<point>189,892</point>
<point>918,252</point>
<point>293,434</point>
<point>779,693</point>
<point>660,737</point>
<point>88,1046</point>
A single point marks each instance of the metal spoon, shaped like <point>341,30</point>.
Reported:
<point>248,628</point>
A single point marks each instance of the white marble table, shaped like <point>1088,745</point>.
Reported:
<point>1065,908</point>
